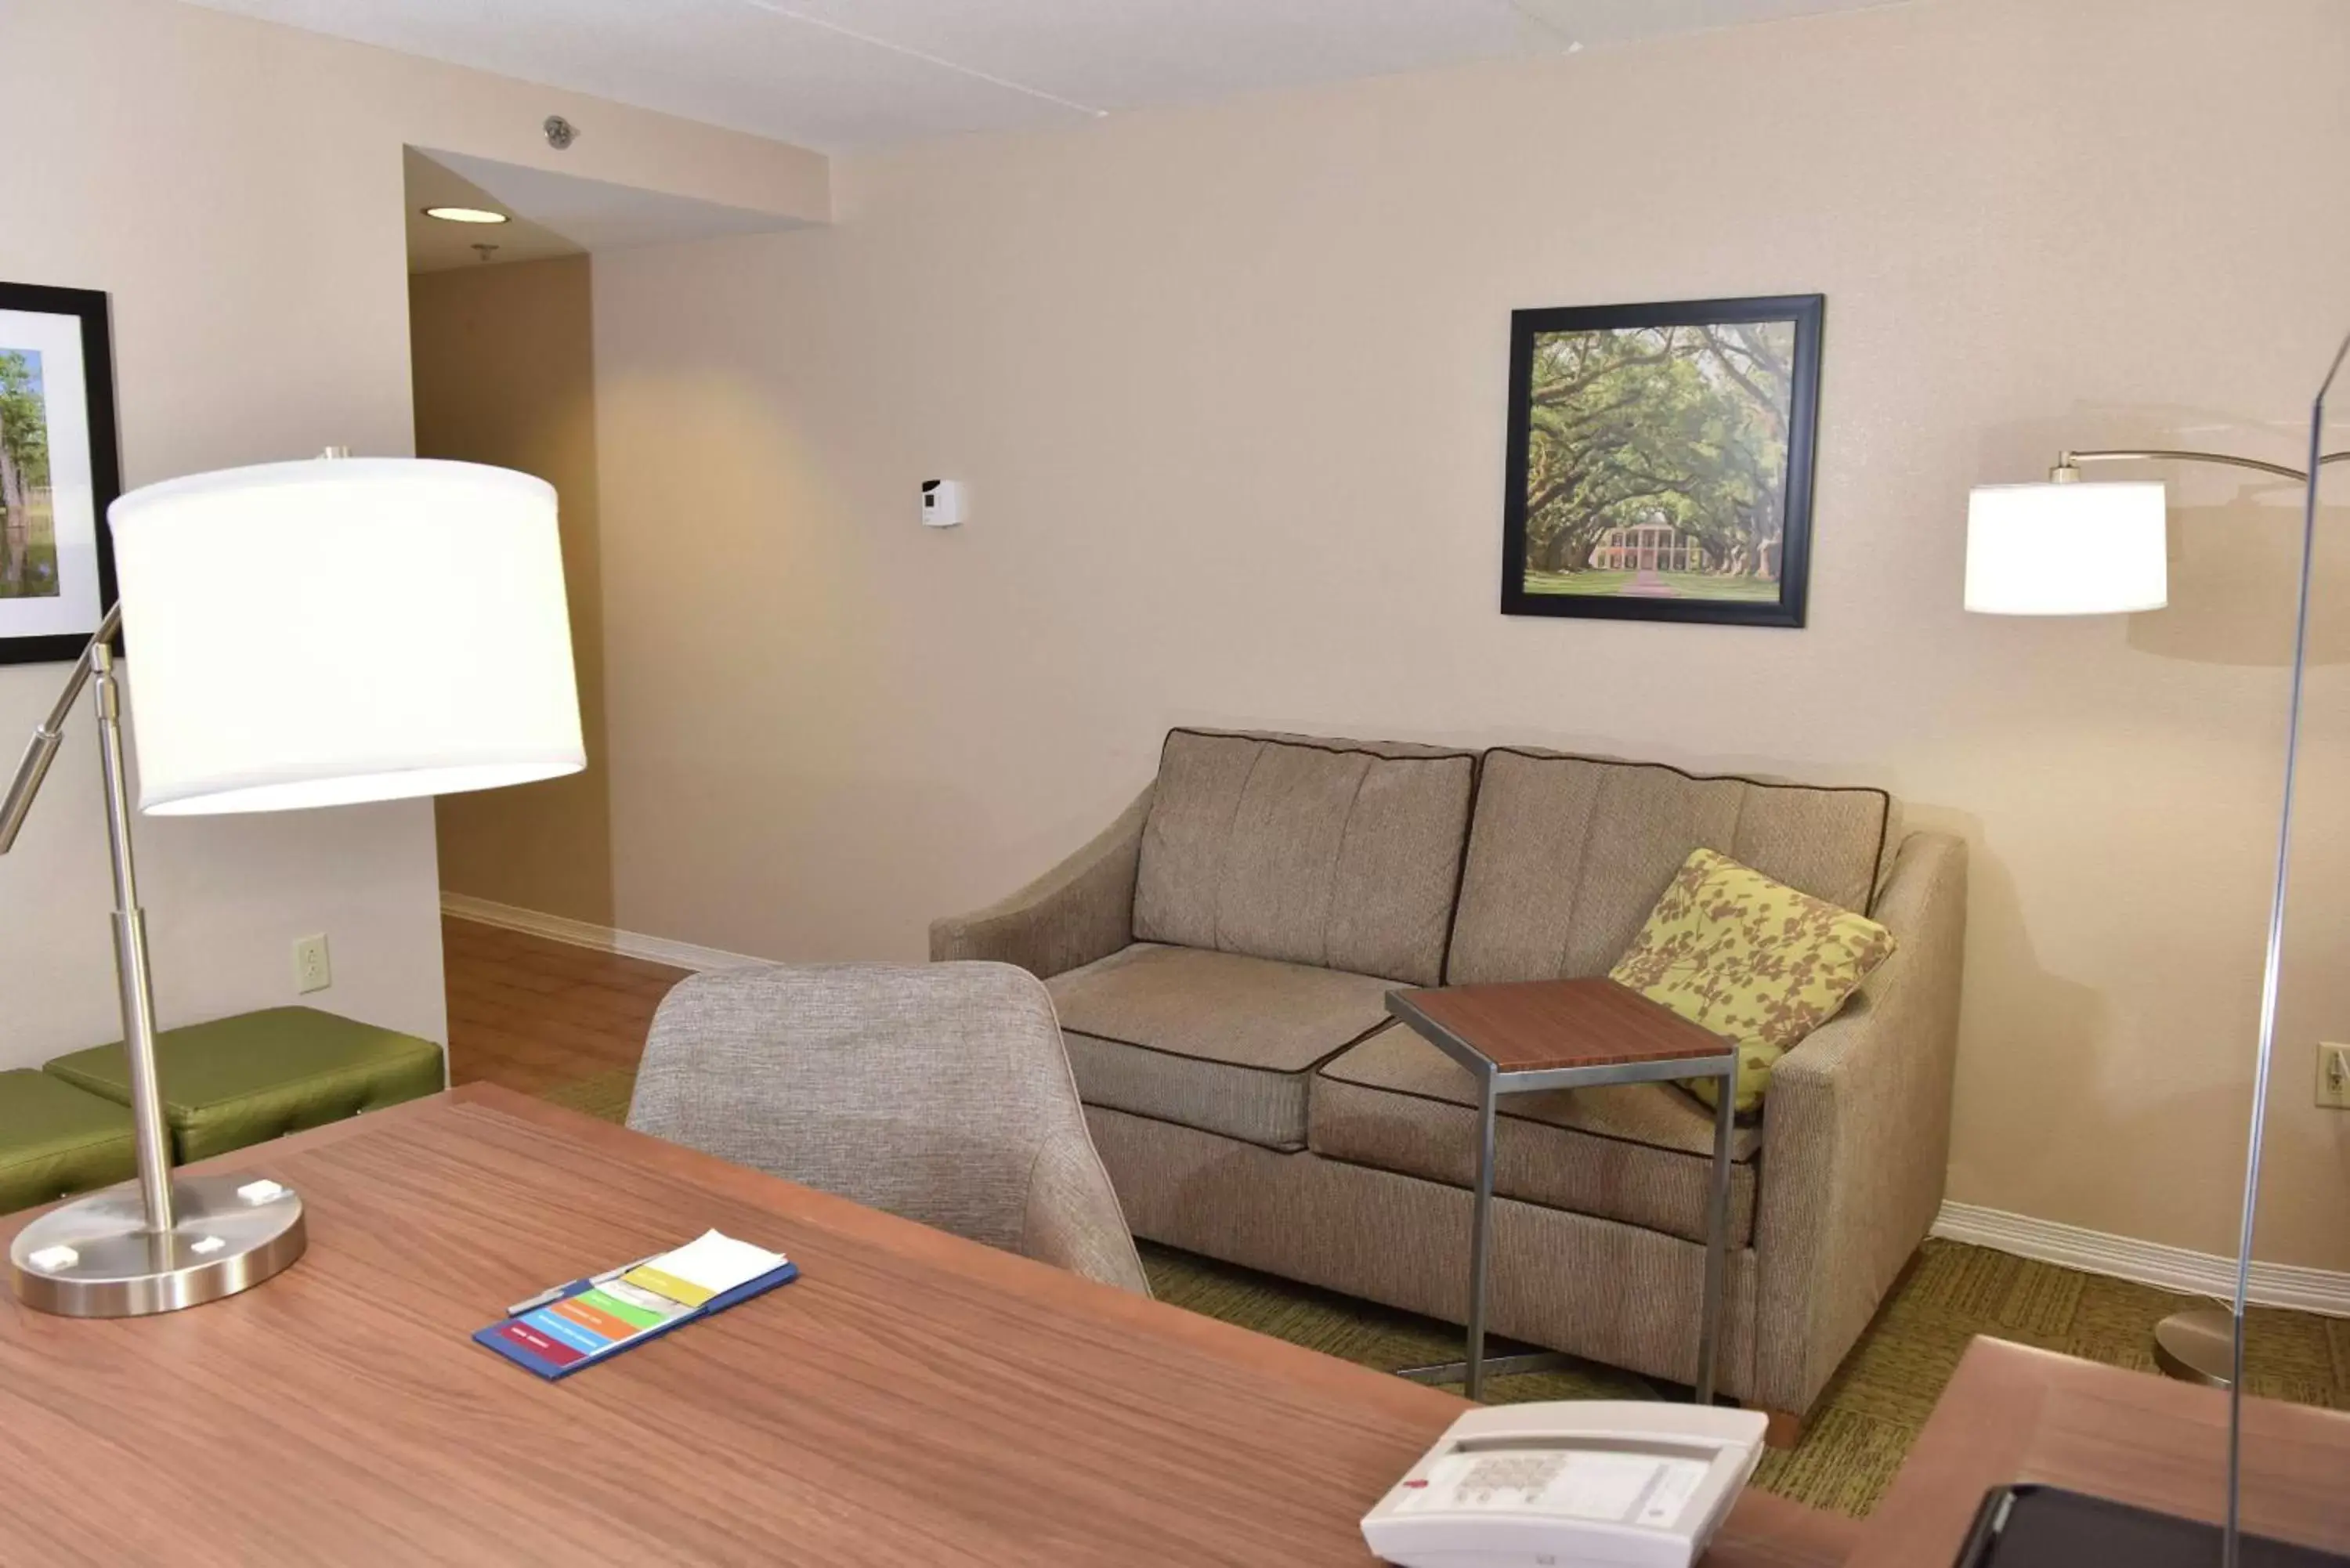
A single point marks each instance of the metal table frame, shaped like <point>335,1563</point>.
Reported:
<point>1492,1083</point>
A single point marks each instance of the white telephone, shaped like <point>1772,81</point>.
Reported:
<point>1576,1483</point>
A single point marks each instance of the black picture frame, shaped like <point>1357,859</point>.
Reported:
<point>88,309</point>
<point>1654,598</point>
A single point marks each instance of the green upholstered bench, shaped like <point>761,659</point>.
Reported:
<point>239,1081</point>
<point>56,1139</point>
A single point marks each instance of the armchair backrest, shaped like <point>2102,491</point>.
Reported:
<point>936,1092</point>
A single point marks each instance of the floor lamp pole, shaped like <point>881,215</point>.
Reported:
<point>2206,1344</point>
<point>2274,970</point>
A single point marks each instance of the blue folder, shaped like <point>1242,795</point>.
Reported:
<point>499,1338</point>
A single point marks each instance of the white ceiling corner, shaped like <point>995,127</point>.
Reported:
<point>437,246</point>
<point>551,213</point>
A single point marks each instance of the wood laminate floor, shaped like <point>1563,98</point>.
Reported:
<point>534,1015</point>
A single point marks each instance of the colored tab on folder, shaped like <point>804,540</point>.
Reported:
<point>709,1265</point>
<point>662,1282</point>
<point>530,1340</point>
<point>612,1303</point>
<point>562,1330</point>
<point>595,1320</point>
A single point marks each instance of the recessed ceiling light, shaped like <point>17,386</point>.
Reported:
<point>464,214</point>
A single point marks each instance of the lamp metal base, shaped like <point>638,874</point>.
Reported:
<point>2198,1346</point>
<point>95,1257</point>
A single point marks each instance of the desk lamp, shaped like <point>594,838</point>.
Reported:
<point>306,634</point>
<point>2070,548</point>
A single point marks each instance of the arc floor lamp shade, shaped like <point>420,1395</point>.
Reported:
<point>344,629</point>
<point>2066,549</point>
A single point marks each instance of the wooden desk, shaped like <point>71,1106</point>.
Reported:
<point>2013,1414</point>
<point>913,1398</point>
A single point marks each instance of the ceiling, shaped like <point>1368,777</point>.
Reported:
<point>437,246</point>
<point>550,214</point>
<point>847,75</point>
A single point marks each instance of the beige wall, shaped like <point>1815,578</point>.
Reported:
<point>236,188</point>
<point>504,374</point>
<point>1227,386</point>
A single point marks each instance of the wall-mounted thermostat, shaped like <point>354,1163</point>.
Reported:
<point>943,505</point>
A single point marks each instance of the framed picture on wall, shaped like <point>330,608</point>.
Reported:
<point>59,470</point>
<point>1661,461</point>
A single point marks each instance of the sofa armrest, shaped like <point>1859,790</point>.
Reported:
<point>1080,910</point>
<point>1856,1135</point>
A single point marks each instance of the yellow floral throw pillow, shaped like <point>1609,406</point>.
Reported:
<point>1756,961</point>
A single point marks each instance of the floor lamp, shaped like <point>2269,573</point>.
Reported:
<point>2069,548</point>
<point>303,634</point>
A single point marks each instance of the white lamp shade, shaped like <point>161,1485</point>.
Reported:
<point>2066,549</point>
<point>345,629</point>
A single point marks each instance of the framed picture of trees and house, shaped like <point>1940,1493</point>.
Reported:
<point>1661,461</point>
<point>59,470</point>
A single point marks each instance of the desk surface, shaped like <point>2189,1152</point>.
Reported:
<point>2011,1413</point>
<point>1537,1025</point>
<point>913,1398</point>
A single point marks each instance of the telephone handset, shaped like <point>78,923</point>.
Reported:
<point>1574,1484</point>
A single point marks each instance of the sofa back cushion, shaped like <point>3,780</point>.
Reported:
<point>1568,855</point>
<point>1343,853</point>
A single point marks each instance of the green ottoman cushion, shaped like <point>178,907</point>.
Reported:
<point>56,1139</point>
<point>260,1075</point>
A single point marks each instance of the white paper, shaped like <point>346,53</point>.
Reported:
<point>717,1263</point>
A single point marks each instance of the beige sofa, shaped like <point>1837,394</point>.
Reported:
<point>1220,957</point>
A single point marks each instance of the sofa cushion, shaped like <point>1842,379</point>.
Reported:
<point>1758,962</point>
<point>1568,855</point>
<point>1214,1041</point>
<point>1639,1153</point>
<point>1340,854</point>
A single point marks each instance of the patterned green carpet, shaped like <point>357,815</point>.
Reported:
<point>1866,1420</point>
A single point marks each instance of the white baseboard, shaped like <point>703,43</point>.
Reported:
<point>2147,1262</point>
<point>583,934</point>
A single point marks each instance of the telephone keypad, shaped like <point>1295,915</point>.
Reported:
<point>1526,1473</point>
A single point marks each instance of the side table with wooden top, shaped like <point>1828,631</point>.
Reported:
<point>1519,1037</point>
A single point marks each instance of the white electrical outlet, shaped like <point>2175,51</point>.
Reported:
<point>312,971</point>
<point>2333,1076</point>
